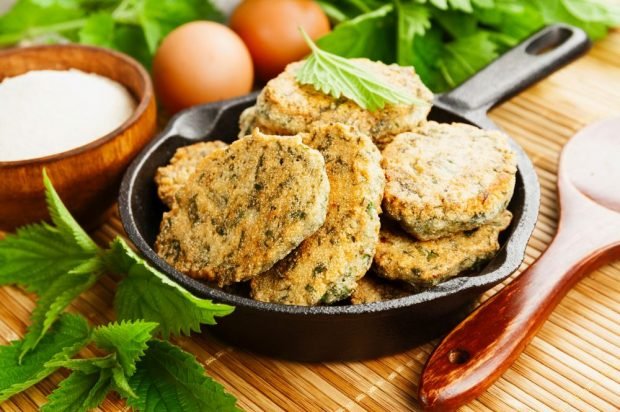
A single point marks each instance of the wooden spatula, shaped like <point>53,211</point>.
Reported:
<point>489,340</point>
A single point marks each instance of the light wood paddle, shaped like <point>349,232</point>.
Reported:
<point>489,340</point>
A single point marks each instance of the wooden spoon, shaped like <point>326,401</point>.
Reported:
<point>489,340</point>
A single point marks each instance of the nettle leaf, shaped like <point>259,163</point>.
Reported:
<point>147,294</point>
<point>63,220</point>
<point>598,11</point>
<point>457,24</point>
<point>80,392</point>
<point>160,17</point>
<point>121,383</point>
<point>22,19</point>
<point>464,5</point>
<point>67,337</point>
<point>46,346</point>
<point>510,19</point>
<point>557,11</point>
<point>368,35</point>
<point>339,10</point>
<point>135,27</point>
<point>93,378</point>
<point>99,30</point>
<point>57,262</point>
<point>484,4</point>
<point>127,339</point>
<point>338,76</point>
<point>426,52</point>
<point>168,379</point>
<point>36,255</point>
<point>54,301</point>
<point>87,366</point>
<point>462,58</point>
<point>131,40</point>
<point>93,6</point>
<point>335,12</point>
<point>440,4</point>
<point>413,22</point>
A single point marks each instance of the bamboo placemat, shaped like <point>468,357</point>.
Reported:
<point>572,364</point>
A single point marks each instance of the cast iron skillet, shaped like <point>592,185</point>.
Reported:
<point>347,332</point>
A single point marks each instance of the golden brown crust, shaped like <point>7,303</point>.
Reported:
<point>247,122</point>
<point>171,178</point>
<point>426,263</point>
<point>245,208</point>
<point>286,107</point>
<point>326,266</point>
<point>371,289</point>
<point>444,179</point>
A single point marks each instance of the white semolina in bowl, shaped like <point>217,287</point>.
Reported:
<point>46,112</point>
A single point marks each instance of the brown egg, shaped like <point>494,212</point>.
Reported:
<point>201,62</point>
<point>270,29</point>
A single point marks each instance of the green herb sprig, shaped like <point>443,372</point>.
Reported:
<point>135,27</point>
<point>447,41</point>
<point>58,262</point>
<point>337,76</point>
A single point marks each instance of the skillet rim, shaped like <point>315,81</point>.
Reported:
<point>512,252</point>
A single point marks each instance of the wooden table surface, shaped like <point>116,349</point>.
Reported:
<point>572,364</point>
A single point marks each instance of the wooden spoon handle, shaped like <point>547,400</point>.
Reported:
<point>487,342</point>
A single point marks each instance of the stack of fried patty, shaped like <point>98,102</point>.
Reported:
<point>293,206</point>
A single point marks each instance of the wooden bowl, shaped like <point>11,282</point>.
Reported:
<point>87,177</point>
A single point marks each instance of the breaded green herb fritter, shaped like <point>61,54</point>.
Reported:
<point>245,208</point>
<point>447,178</point>
<point>371,289</point>
<point>286,107</point>
<point>426,263</point>
<point>326,267</point>
<point>171,178</point>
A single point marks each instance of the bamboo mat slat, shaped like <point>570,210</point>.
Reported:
<point>572,364</point>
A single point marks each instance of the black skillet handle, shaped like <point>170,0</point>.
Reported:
<point>198,121</point>
<point>543,53</point>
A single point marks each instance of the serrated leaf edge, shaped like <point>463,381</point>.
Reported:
<point>68,351</point>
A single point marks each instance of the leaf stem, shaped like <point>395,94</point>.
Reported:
<point>126,12</point>
<point>309,42</point>
<point>8,39</point>
<point>360,5</point>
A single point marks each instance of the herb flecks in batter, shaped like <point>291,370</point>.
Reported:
<point>435,177</point>
<point>326,266</point>
<point>288,202</point>
<point>371,289</point>
<point>426,263</point>
<point>171,178</point>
